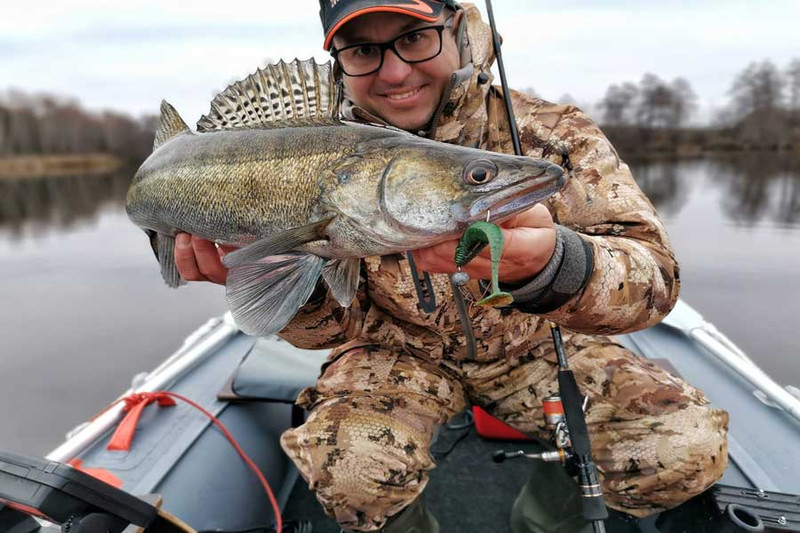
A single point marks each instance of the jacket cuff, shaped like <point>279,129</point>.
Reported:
<point>564,276</point>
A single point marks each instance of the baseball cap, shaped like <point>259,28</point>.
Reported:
<point>335,13</point>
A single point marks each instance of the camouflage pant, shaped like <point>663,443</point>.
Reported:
<point>364,449</point>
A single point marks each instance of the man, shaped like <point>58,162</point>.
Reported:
<point>594,258</point>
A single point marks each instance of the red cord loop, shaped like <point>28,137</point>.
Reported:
<point>162,398</point>
<point>135,404</point>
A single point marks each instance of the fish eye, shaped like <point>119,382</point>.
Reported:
<point>480,172</point>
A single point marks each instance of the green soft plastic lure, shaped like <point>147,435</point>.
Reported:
<point>477,236</point>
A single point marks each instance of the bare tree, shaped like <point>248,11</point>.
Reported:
<point>757,89</point>
<point>24,132</point>
<point>662,104</point>
<point>793,81</point>
<point>760,118</point>
<point>66,128</point>
<point>5,130</point>
<point>656,103</point>
<point>684,102</point>
<point>617,104</point>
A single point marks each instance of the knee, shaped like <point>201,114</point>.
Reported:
<point>363,464</point>
<point>672,459</point>
<point>703,448</point>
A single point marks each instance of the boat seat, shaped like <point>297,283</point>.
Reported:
<point>273,371</point>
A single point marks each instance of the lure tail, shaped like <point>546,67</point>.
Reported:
<point>477,236</point>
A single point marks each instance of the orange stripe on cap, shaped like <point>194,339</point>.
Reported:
<point>375,9</point>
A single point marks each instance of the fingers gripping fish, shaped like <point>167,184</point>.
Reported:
<point>305,195</point>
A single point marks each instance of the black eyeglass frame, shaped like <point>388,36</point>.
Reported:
<point>389,45</point>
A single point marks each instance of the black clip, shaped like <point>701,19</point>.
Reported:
<point>565,162</point>
<point>426,302</point>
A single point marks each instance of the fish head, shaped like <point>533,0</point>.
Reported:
<point>404,192</point>
<point>439,189</point>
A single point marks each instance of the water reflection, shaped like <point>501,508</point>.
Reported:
<point>34,206</point>
<point>759,188</point>
<point>755,188</point>
<point>659,181</point>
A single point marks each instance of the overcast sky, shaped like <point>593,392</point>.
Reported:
<point>128,56</point>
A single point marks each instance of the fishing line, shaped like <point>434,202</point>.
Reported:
<point>594,508</point>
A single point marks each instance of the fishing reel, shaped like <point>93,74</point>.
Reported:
<point>556,423</point>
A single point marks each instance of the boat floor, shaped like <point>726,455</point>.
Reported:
<point>467,492</point>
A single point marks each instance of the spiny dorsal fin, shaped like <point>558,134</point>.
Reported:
<point>170,125</point>
<point>276,93</point>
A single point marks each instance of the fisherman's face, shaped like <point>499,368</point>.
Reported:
<point>404,95</point>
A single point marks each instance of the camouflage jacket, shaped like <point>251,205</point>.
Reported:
<point>634,280</point>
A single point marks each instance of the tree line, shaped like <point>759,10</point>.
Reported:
<point>763,112</point>
<point>654,115</point>
<point>48,124</point>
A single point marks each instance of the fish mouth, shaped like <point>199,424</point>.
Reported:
<point>514,199</point>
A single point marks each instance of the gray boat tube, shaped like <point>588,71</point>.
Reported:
<point>195,349</point>
<point>684,318</point>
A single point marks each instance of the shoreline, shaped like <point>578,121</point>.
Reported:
<point>37,166</point>
<point>691,143</point>
<point>683,155</point>
<point>55,165</point>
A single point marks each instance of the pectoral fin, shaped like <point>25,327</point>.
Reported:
<point>264,295</point>
<point>278,243</point>
<point>341,275</point>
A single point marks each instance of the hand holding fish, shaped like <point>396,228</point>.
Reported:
<point>200,260</point>
<point>530,239</point>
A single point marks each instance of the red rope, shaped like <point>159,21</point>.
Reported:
<point>135,403</point>
<point>122,438</point>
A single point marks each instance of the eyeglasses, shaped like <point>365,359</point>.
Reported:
<point>413,46</point>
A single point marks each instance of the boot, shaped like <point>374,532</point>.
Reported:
<point>549,503</point>
<point>413,519</point>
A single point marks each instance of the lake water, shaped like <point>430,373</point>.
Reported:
<point>83,308</point>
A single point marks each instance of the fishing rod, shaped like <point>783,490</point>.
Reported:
<point>594,508</point>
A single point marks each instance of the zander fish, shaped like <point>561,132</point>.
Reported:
<point>306,195</point>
